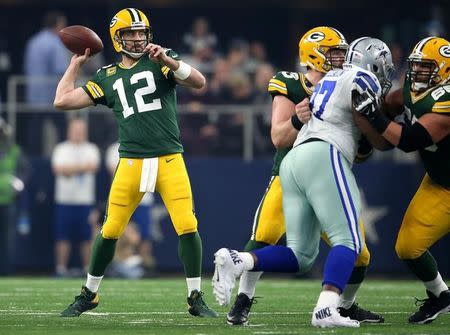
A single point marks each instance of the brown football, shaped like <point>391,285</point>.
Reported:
<point>78,38</point>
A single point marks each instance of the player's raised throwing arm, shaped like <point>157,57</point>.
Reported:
<point>68,97</point>
<point>185,74</point>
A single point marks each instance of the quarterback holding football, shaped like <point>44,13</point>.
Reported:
<point>141,91</point>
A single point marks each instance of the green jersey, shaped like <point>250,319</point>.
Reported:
<point>295,87</point>
<point>143,99</point>
<point>436,158</point>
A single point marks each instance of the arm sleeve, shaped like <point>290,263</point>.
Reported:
<point>277,86</point>
<point>95,91</point>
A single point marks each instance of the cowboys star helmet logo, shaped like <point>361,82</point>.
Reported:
<point>445,51</point>
<point>316,36</point>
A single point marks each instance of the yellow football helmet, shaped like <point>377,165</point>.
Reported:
<point>429,63</point>
<point>129,19</point>
<point>316,49</point>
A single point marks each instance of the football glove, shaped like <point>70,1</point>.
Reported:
<point>367,103</point>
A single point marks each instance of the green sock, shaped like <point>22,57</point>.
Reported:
<point>253,245</point>
<point>102,254</point>
<point>190,253</point>
<point>424,267</point>
<point>358,274</point>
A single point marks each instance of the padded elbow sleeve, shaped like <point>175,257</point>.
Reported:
<point>414,138</point>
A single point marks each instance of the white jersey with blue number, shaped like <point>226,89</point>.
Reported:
<point>331,106</point>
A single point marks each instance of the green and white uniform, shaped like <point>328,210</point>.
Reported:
<point>143,99</point>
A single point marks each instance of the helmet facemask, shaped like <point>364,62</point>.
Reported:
<point>423,74</point>
<point>132,47</point>
<point>384,75</point>
<point>335,57</point>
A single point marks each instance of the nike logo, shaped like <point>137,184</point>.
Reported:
<point>169,160</point>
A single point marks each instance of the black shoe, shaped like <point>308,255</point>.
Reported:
<point>198,307</point>
<point>359,314</point>
<point>431,307</point>
<point>85,301</point>
<point>238,314</point>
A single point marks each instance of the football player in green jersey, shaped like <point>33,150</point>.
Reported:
<point>426,93</point>
<point>320,50</point>
<point>141,92</point>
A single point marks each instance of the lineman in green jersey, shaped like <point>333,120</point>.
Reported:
<point>141,92</point>
<point>320,50</point>
<point>426,93</point>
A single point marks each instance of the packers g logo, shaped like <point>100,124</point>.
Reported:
<point>316,37</point>
<point>113,22</point>
<point>445,51</point>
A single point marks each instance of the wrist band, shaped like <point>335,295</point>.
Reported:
<point>296,123</point>
<point>183,71</point>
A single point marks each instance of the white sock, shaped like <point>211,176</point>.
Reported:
<point>348,297</point>
<point>328,299</point>
<point>92,282</point>
<point>247,283</point>
<point>247,259</point>
<point>436,286</point>
<point>193,284</point>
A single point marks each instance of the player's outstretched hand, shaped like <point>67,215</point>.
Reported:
<point>302,110</point>
<point>81,59</point>
<point>367,102</point>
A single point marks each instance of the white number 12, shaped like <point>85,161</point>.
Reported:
<point>139,94</point>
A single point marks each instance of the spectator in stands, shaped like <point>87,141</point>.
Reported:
<point>257,54</point>
<point>239,56</point>
<point>137,234</point>
<point>200,38</point>
<point>231,125</point>
<point>45,60</point>
<point>13,172</point>
<point>218,84</point>
<point>74,164</point>
<point>261,138</point>
<point>199,131</point>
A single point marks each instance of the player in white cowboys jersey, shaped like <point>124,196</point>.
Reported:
<point>320,193</point>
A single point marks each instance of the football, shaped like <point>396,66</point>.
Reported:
<point>78,38</point>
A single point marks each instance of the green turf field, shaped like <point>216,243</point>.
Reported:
<point>158,306</point>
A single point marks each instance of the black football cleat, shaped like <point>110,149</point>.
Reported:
<point>85,301</point>
<point>240,311</point>
<point>431,307</point>
<point>359,314</point>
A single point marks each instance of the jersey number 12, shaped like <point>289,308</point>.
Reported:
<point>138,94</point>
